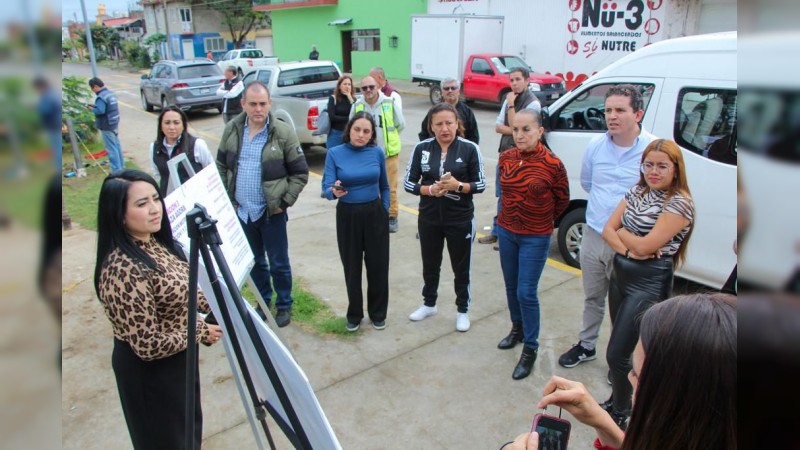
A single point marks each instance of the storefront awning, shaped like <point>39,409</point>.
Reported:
<point>337,22</point>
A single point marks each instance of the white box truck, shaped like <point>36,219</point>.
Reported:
<point>469,49</point>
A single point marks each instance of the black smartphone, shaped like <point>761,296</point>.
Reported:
<point>338,187</point>
<point>553,432</point>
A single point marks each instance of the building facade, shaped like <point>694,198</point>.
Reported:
<point>192,30</point>
<point>356,34</point>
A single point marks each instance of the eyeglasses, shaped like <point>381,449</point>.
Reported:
<point>450,88</point>
<point>368,88</point>
<point>660,168</point>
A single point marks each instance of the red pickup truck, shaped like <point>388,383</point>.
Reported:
<point>486,78</point>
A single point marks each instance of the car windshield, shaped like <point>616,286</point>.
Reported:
<point>199,71</point>
<point>307,75</point>
<point>505,64</point>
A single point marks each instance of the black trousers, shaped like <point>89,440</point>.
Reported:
<point>635,286</point>
<point>153,397</point>
<point>459,239</point>
<point>362,232</point>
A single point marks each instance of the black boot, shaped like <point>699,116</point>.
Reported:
<point>525,364</point>
<point>513,337</point>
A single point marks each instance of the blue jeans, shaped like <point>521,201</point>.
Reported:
<point>114,149</point>
<point>269,234</point>
<point>334,139</point>
<point>522,259</point>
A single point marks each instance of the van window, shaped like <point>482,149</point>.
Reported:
<point>705,123</point>
<point>307,75</point>
<point>770,120</point>
<point>586,111</point>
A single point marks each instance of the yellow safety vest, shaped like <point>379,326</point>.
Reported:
<point>391,137</point>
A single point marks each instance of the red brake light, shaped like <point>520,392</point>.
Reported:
<point>250,62</point>
<point>313,115</point>
<point>179,85</point>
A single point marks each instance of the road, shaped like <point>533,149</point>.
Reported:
<point>208,125</point>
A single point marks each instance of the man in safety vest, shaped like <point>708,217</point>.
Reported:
<point>389,122</point>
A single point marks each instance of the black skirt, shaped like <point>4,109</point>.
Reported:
<point>153,397</point>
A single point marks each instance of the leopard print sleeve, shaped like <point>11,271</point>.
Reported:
<point>150,320</point>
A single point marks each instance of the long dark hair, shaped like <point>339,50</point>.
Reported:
<point>439,107</point>
<point>337,92</point>
<point>360,115</point>
<point>679,184</point>
<point>111,233</point>
<point>183,139</point>
<point>686,397</point>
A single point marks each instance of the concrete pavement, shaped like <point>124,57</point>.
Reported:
<point>413,385</point>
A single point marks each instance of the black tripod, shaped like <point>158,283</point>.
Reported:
<point>203,234</point>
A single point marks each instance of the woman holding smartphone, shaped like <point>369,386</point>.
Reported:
<point>445,171</point>
<point>683,376</point>
<point>355,174</point>
<point>649,231</point>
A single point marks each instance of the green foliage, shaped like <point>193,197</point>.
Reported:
<point>155,39</point>
<point>16,100</point>
<point>238,16</point>
<point>136,55</point>
<point>75,94</point>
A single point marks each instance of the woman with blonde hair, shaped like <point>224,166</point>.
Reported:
<point>649,231</point>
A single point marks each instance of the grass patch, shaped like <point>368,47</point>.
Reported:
<point>22,191</point>
<point>308,311</point>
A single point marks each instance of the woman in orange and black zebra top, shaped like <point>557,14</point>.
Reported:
<point>535,191</point>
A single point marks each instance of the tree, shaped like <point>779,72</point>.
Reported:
<point>238,16</point>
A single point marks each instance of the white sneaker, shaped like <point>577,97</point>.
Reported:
<point>462,322</point>
<point>423,312</point>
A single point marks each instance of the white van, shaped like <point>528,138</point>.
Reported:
<point>689,90</point>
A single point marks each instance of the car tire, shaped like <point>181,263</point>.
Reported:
<point>145,104</point>
<point>164,103</point>
<point>220,109</point>
<point>570,235</point>
<point>436,94</point>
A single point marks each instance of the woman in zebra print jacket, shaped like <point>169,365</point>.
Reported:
<point>649,231</point>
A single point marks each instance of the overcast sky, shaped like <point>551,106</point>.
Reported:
<point>69,8</point>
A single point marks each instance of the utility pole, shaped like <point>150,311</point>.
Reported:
<point>89,43</point>
<point>166,27</point>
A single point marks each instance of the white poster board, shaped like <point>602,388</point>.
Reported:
<point>206,189</point>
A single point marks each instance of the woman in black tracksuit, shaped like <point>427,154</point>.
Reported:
<point>445,171</point>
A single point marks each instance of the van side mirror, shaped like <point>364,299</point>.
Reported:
<point>145,76</point>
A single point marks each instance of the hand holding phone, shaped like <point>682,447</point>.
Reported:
<point>553,432</point>
<point>338,187</point>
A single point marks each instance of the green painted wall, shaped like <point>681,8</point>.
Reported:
<point>296,30</point>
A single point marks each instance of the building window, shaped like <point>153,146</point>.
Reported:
<point>186,15</point>
<point>366,40</point>
<point>214,44</point>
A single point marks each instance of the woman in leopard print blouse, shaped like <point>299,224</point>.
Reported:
<point>142,281</point>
